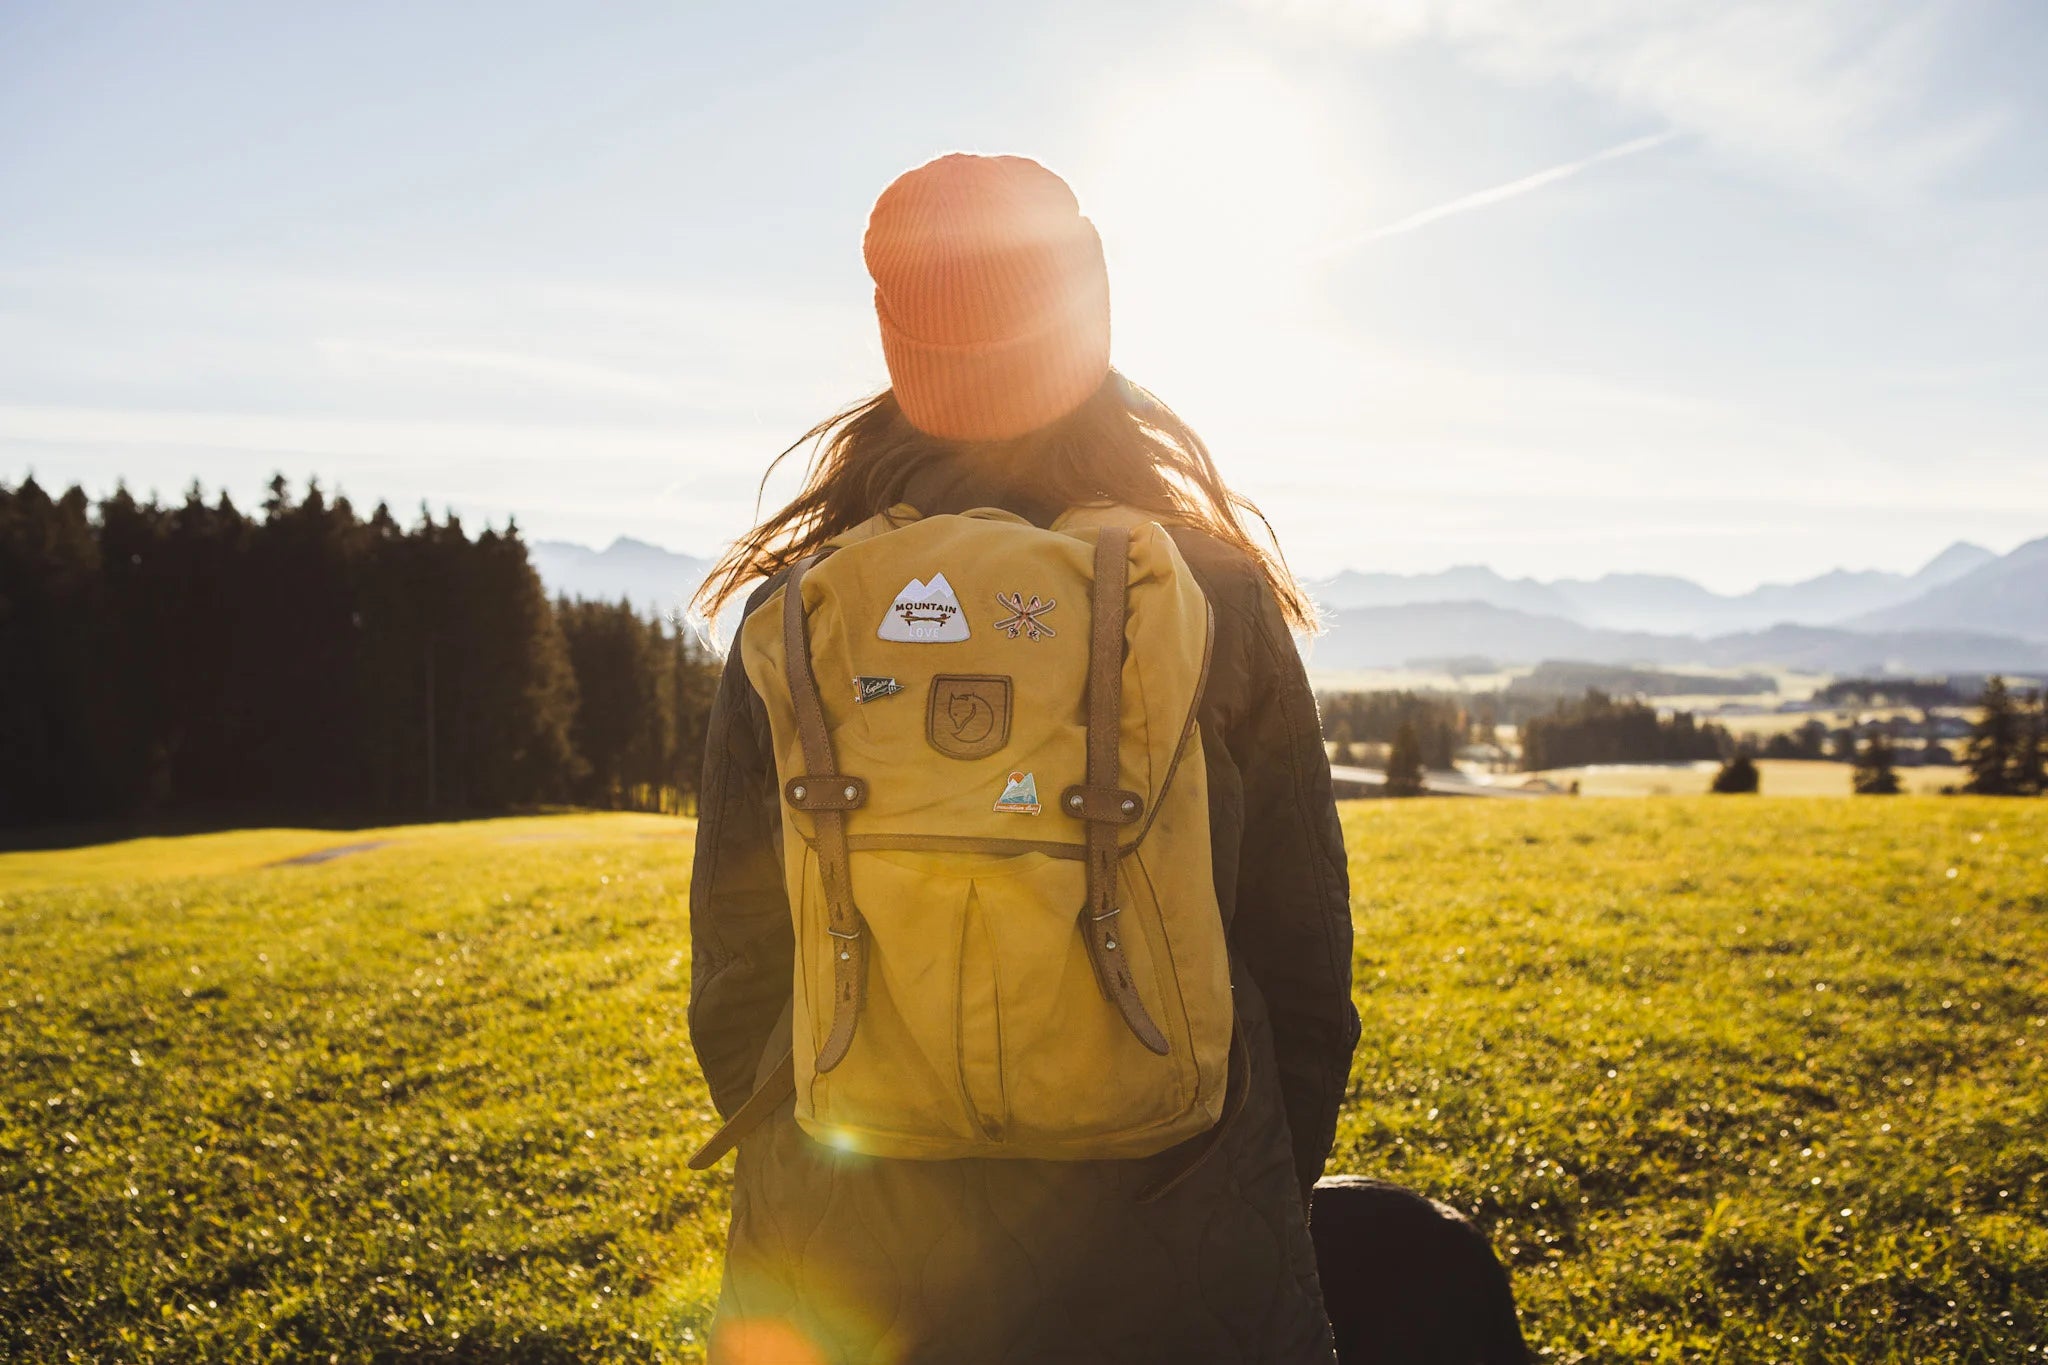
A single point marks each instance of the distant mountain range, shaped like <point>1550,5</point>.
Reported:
<point>1658,602</point>
<point>2008,596</point>
<point>1966,610</point>
<point>1388,637</point>
<point>648,576</point>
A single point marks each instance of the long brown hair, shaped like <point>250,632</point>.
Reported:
<point>1121,446</point>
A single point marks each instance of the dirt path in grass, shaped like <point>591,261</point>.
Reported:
<point>328,855</point>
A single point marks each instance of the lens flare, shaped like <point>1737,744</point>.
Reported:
<point>762,1341</point>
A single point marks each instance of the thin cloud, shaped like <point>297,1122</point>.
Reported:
<point>1513,189</point>
<point>1863,93</point>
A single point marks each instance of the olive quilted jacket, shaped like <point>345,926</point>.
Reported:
<point>840,1258</point>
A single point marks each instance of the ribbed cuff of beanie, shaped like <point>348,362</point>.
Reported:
<point>995,390</point>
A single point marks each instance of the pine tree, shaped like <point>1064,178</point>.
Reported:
<point>2030,749</point>
<point>1738,776</point>
<point>1994,741</point>
<point>1842,743</point>
<point>50,595</point>
<point>697,670</point>
<point>510,689</point>
<point>1404,763</point>
<point>130,650</point>
<point>1812,739</point>
<point>1875,775</point>
<point>624,716</point>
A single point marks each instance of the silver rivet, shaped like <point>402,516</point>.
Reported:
<point>1129,806</point>
<point>797,792</point>
<point>1109,943</point>
<point>845,956</point>
<point>1075,800</point>
<point>852,792</point>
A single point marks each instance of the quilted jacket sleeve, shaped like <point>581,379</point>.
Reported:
<point>741,944</point>
<point>1293,927</point>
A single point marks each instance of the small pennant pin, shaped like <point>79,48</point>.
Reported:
<point>1020,795</point>
<point>866,688</point>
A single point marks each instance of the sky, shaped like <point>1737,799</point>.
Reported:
<point>1743,290</point>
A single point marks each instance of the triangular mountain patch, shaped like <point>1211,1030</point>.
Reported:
<point>925,614</point>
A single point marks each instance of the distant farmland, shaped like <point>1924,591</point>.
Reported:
<point>1781,777</point>
<point>1726,1079</point>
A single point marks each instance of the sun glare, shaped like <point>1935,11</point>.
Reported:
<point>1218,178</point>
<point>1211,190</point>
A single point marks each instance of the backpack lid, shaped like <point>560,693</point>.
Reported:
<point>1018,686</point>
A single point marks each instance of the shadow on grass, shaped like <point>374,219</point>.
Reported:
<point>54,837</point>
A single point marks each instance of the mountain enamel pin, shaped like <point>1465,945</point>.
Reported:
<point>925,614</point>
<point>1020,795</point>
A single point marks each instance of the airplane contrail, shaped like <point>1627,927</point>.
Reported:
<point>1465,203</point>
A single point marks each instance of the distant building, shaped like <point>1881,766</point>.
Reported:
<point>1491,757</point>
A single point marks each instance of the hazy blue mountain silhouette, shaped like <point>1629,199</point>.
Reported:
<point>2008,596</point>
<point>650,577</point>
<point>1660,602</point>
<point>1465,583</point>
<point>1387,637</point>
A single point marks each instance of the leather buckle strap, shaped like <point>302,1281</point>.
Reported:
<point>1098,918</point>
<point>769,1095</point>
<point>828,791</point>
<point>1116,805</point>
<point>827,798</point>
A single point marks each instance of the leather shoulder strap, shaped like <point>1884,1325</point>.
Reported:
<point>828,796</point>
<point>1104,808</point>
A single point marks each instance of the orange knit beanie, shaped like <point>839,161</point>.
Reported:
<point>992,295</point>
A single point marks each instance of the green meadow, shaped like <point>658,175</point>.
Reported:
<point>1726,1079</point>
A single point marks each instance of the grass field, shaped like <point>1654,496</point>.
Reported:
<point>1727,1080</point>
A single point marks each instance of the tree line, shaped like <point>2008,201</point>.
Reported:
<point>2006,754</point>
<point>1598,728</point>
<point>193,661</point>
<point>1925,693</point>
<point>1439,725</point>
<point>1426,729</point>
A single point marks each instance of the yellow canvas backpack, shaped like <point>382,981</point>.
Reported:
<point>995,839</point>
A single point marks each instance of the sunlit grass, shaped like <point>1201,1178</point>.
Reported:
<point>1728,1079</point>
<point>432,1099</point>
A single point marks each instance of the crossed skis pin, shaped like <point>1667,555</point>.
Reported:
<point>1025,616</point>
